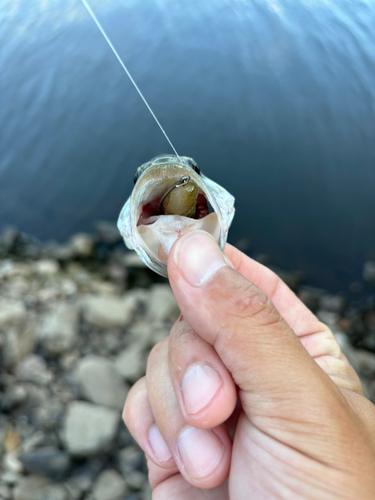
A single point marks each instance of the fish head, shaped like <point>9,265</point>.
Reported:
<point>151,221</point>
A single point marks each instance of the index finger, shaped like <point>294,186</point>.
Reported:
<point>292,309</point>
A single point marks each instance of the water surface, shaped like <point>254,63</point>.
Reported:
<point>275,99</point>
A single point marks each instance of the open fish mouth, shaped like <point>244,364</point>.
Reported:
<point>170,198</point>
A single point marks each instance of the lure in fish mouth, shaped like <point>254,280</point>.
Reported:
<point>170,198</point>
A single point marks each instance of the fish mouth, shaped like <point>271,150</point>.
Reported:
<point>159,231</point>
<point>151,209</point>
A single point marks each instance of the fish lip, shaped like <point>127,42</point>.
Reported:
<point>220,200</point>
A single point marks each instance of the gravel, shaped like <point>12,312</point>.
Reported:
<point>89,429</point>
<point>77,322</point>
<point>101,382</point>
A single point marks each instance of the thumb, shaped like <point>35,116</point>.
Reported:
<point>255,343</point>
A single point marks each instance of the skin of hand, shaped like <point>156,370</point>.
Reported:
<point>250,396</point>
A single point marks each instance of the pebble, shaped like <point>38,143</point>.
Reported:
<point>81,245</point>
<point>70,329</point>
<point>30,488</point>
<point>369,272</point>
<point>101,382</point>
<point>59,328</point>
<point>162,304</point>
<point>136,479</point>
<point>109,311</point>
<point>131,362</point>
<point>109,486</point>
<point>131,259</point>
<point>366,363</point>
<point>46,267</point>
<point>34,369</point>
<point>12,312</point>
<point>54,492</point>
<point>11,463</point>
<point>49,461</point>
<point>332,303</point>
<point>331,319</point>
<point>129,459</point>
<point>78,485</point>
<point>5,493</point>
<point>107,232</point>
<point>14,396</point>
<point>89,429</point>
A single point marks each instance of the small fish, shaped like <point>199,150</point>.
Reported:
<point>170,198</point>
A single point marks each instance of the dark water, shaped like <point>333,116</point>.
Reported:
<point>275,99</point>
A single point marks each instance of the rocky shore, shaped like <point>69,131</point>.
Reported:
<point>77,321</point>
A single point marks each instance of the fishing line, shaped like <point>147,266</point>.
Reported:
<point>127,72</point>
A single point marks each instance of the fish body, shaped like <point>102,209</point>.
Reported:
<point>170,198</point>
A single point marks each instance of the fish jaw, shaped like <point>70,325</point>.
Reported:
<point>153,240</point>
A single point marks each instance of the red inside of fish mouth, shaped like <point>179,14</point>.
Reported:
<point>150,210</point>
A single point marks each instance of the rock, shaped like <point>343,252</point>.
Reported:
<point>54,492</point>
<point>109,311</point>
<point>9,478</point>
<point>330,319</point>
<point>347,349</point>
<point>293,280</point>
<point>10,269</point>
<point>5,493</point>
<point>116,273</point>
<point>369,272</point>
<point>311,296</point>
<point>12,464</point>
<point>61,253</point>
<point>332,303</point>
<point>141,333</point>
<point>59,328</point>
<point>131,259</point>
<point>89,429</point>
<point>14,396</point>
<point>129,459</point>
<point>78,485</point>
<point>12,312</point>
<point>20,342</point>
<point>82,245</point>
<point>34,369</point>
<point>49,462</point>
<point>101,382</point>
<point>366,362</point>
<point>107,232</point>
<point>37,397</point>
<point>369,320</point>
<point>30,488</point>
<point>146,491</point>
<point>162,304</point>
<point>109,486</point>
<point>33,441</point>
<point>131,363</point>
<point>46,267</point>
<point>136,479</point>
<point>9,238</point>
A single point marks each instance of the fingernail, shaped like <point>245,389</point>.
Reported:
<point>158,445</point>
<point>198,257</point>
<point>199,385</point>
<point>200,451</point>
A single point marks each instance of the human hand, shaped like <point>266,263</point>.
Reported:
<point>301,427</point>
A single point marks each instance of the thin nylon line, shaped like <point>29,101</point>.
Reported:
<point>127,72</point>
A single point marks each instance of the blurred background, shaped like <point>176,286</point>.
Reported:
<point>274,99</point>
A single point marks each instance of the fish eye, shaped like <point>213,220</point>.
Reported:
<point>137,174</point>
<point>195,167</point>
